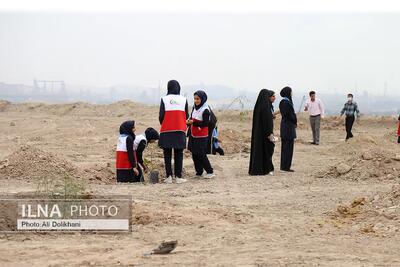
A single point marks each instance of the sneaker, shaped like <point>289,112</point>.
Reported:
<point>209,176</point>
<point>180,180</point>
<point>199,175</point>
<point>271,173</point>
<point>168,180</point>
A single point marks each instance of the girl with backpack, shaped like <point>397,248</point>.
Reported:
<point>198,135</point>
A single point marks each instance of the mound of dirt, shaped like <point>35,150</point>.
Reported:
<point>101,173</point>
<point>124,108</point>
<point>354,147</point>
<point>374,163</point>
<point>332,123</point>
<point>30,163</point>
<point>145,215</point>
<point>234,142</point>
<point>379,214</point>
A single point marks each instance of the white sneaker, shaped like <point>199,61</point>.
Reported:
<point>168,180</point>
<point>180,180</point>
<point>199,176</point>
<point>271,173</point>
<point>209,176</point>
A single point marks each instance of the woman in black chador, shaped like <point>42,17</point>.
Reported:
<point>262,145</point>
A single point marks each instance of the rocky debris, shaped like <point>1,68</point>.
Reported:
<point>367,155</point>
<point>353,208</point>
<point>378,215</point>
<point>343,168</point>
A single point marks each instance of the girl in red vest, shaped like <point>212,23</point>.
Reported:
<point>198,135</point>
<point>128,170</point>
<point>173,116</point>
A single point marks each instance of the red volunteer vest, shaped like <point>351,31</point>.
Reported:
<point>398,130</point>
<point>122,161</point>
<point>175,114</point>
<point>197,115</point>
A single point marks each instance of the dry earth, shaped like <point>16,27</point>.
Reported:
<point>340,208</point>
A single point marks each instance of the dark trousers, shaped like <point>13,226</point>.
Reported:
<point>398,140</point>
<point>178,158</point>
<point>287,154</point>
<point>349,126</point>
<point>128,176</point>
<point>201,163</point>
<point>218,150</point>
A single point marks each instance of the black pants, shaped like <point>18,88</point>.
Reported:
<point>218,150</point>
<point>201,163</point>
<point>349,126</point>
<point>178,158</point>
<point>398,140</point>
<point>128,176</point>
<point>287,154</point>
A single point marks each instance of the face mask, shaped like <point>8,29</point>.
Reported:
<point>349,99</point>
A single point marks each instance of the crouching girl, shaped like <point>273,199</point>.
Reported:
<point>141,142</point>
<point>128,170</point>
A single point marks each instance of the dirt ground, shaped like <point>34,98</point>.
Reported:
<point>341,206</point>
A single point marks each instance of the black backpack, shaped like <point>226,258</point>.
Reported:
<point>213,119</point>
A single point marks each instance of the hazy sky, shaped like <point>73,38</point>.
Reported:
<point>244,50</point>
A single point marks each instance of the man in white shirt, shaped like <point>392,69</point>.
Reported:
<point>315,108</point>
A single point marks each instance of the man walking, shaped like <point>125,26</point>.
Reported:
<point>349,109</point>
<point>315,108</point>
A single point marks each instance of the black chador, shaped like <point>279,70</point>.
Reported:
<point>262,148</point>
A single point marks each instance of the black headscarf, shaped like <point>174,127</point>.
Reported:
<point>261,150</point>
<point>271,93</point>
<point>151,134</point>
<point>126,128</point>
<point>286,92</point>
<point>173,88</point>
<point>203,97</point>
<point>262,102</point>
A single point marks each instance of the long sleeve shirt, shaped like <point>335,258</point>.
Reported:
<point>350,108</point>
<point>139,151</point>
<point>131,152</point>
<point>315,107</point>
